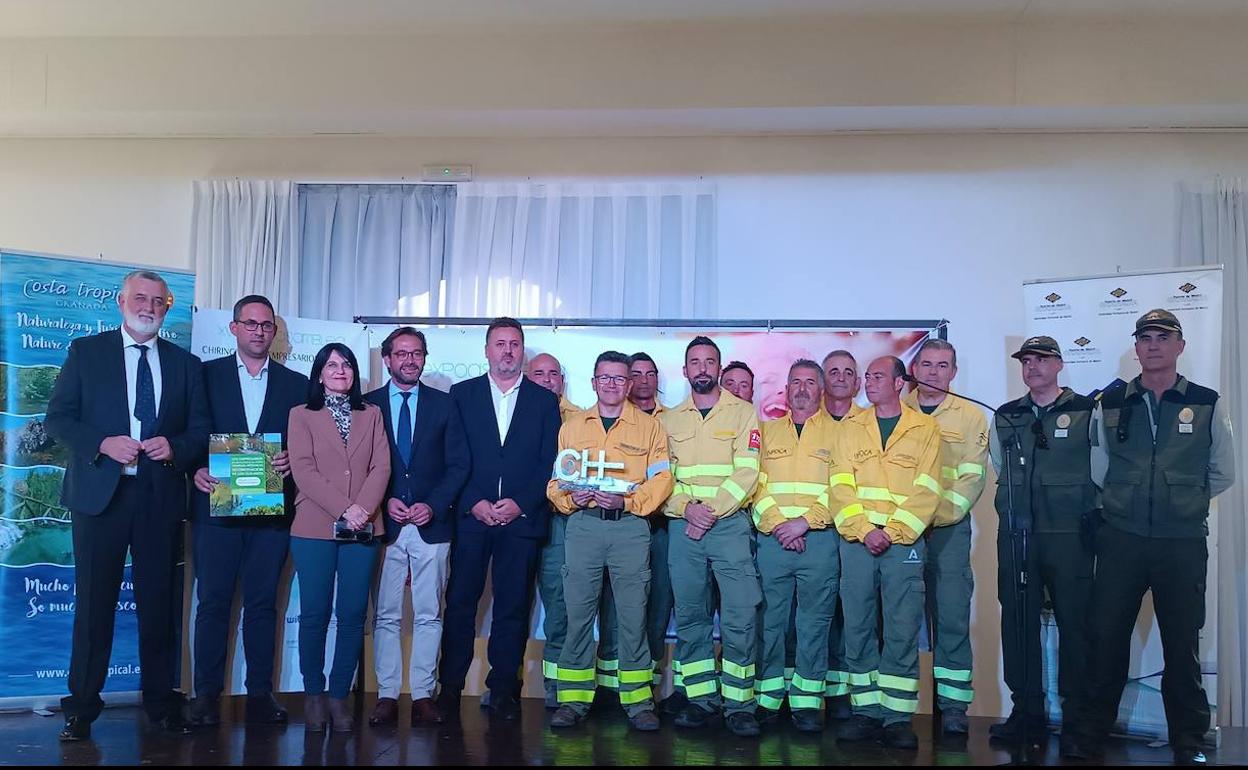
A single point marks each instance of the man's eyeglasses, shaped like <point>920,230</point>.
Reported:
<point>610,379</point>
<point>406,355</point>
<point>268,327</point>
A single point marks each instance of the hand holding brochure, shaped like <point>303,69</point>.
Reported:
<point>243,463</point>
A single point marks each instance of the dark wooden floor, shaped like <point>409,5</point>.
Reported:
<point>121,736</point>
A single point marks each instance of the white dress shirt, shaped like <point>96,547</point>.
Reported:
<point>253,391</point>
<point>132,380</point>
<point>504,405</point>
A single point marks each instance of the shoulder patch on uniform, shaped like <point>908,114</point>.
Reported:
<point>756,440</point>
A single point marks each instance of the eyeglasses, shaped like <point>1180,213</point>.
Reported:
<point>268,327</point>
<point>406,355</point>
<point>1037,430</point>
<point>610,379</point>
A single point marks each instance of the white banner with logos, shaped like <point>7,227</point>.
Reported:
<point>296,345</point>
<point>1093,319</point>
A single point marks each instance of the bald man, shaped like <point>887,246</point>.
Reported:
<point>545,370</point>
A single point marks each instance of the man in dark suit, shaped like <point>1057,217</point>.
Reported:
<point>246,393</point>
<point>131,408</point>
<point>429,463</point>
<point>512,430</point>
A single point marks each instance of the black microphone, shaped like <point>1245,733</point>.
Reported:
<point>914,380</point>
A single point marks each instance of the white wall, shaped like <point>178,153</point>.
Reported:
<point>848,227</point>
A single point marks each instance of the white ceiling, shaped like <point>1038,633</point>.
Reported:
<point>54,18</point>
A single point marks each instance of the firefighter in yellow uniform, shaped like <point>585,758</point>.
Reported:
<point>841,383</point>
<point>884,493</point>
<point>715,442</point>
<point>545,370</point>
<point>950,583</point>
<point>643,393</point>
<point>607,530</point>
<point>795,554</point>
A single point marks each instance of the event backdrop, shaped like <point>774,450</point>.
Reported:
<point>1093,320</point>
<point>46,303</point>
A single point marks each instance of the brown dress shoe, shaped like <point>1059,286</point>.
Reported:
<point>340,719</point>
<point>315,713</point>
<point>426,712</point>
<point>385,713</point>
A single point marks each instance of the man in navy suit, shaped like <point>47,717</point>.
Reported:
<point>247,393</point>
<point>130,407</point>
<point>511,426</point>
<point>429,463</point>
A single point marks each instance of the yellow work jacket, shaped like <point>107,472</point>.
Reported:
<point>793,479</point>
<point>963,452</point>
<point>637,440</point>
<point>567,409</point>
<point>715,460</point>
<point>895,487</point>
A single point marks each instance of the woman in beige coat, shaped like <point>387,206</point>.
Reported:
<point>340,458</point>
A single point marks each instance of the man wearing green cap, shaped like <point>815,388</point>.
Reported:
<point>1164,450</point>
<point>1047,437</point>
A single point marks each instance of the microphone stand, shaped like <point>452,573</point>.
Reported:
<point>1018,562</point>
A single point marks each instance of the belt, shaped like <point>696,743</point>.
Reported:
<point>606,514</point>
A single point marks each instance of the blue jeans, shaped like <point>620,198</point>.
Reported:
<point>317,564</point>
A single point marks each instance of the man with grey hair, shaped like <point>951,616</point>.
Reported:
<point>950,581</point>
<point>130,407</point>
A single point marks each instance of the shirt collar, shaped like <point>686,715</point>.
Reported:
<point>500,391</point>
<point>264,370</point>
<point>127,341</point>
<point>396,392</point>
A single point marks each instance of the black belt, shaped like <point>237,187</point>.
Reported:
<point>606,514</point>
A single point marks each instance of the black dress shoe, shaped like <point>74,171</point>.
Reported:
<point>76,729</point>
<point>1190,757</point>
<point>448,704</point>
<point>203,711</point>
<point>505,707</point>
<point>172,723</point>
<point>265,710</point>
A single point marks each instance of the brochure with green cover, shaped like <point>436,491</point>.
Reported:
<point>243,464</point>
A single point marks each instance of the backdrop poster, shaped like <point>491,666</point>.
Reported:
<point>46,303</point>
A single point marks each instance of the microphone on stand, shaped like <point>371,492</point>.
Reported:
<point>1019,547</point>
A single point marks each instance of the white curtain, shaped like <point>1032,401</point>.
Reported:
<point>243,241</point>
<point>581,250</point>
<point>1213,229</point>
<point>372,249</point>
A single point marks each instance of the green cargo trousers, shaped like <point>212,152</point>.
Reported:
<point>726,550</point>
<point>594,546</point>
<point>950,584</point>
<point>884,684</point>
<point>814,576</point>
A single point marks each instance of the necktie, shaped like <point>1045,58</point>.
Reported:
<point>145,396</point>
<point>404,437</point>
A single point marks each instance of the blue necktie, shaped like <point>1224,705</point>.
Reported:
<point>404,438</point>
<point>145,396</point>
